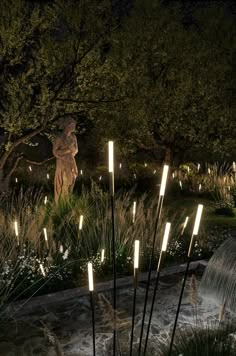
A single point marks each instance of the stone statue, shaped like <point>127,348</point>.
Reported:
<point>64,149</point>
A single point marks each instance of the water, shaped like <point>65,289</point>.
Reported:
<point>219,279</point>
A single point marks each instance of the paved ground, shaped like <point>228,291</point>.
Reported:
<point>64,328</point>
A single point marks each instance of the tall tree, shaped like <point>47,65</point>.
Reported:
<point>179,70</point>
<point>52,63</point>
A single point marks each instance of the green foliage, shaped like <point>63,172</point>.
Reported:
<point>178,79</point>
<point>52,63</point>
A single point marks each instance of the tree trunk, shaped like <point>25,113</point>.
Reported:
<point>169,155</point>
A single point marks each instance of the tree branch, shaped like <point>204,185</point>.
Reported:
<point>17,143</point>
<point>19,158</point>
<point>13,167</point>
<point>38,163</point>
<point>146,147</point>
<point>90,101</point>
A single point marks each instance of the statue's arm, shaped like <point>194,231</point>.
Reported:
<point>75,151</point>
<point>57,150</point>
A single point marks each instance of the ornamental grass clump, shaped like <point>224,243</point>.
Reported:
<point>210,339</point>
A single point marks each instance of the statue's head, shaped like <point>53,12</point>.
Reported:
<point>67,124</point>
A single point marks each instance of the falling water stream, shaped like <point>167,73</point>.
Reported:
<point>219,279</point>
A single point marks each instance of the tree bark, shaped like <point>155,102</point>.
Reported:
<point>169,155</point>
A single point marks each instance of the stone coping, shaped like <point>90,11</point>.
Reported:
<point>62,296</point>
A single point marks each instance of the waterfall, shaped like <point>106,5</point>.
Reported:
<point>219,279</point>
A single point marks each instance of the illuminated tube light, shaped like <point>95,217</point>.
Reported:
<point>48,176</point>
<point>111,167</point>
<point>120,166</point>
<point>90,276</point>
<point>17,232</point>
<point>163,180</point>
<point>102,255</point>
<point>198,167</point>
<point>134,211</point>
<point>186,221</point>
<point>196,227</point>
<point>45,234</point>
<point>42,270</point>
<point>81,172</point>
<point>198,219</point>
<point>185,224</point>
<point>166,236</point>
<point>46,237</point>
<point>81,219</point>
<point>30,168</point>
<point>180,184</point>
<point>45,200</point>
<point>16,180</point>
<point>111,156</point>
<point>200,187</point>
<point>16,229</point>
<point>136,254</point>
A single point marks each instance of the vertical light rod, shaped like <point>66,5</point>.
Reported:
<point>166,237</point>
<point>164,244</point>
<point>134,211</point>
<point>111,166</point>
<point>185,224</point>
<point>102,255</point>
<point>163,250</point>
<point>136,253</point>
<point>111,156</point>
<point>81,219</point>
<point>16,232</point>
<point>196,227</point>
<point>16,228</point>
<point>42,270</point>
<point>164,180</point>
<point>90,276</point>
<point>46,237</point>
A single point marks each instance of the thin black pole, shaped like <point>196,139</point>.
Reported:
<point>93,321</point>
<point>153,302</point>
<point>114,273</point>
<point>159,208</point>
<point>195,233</point>
<point>179,305</point>
<point>134,305</point>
